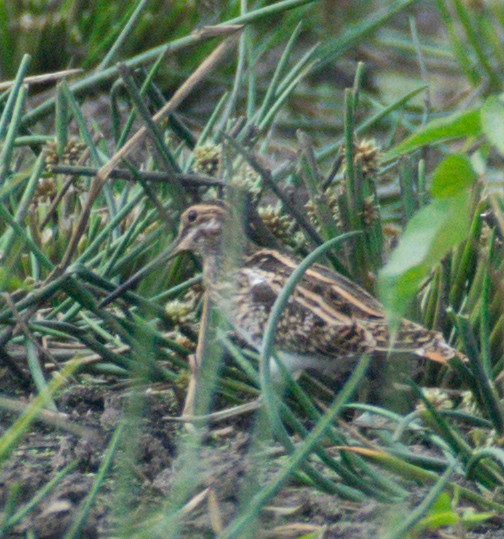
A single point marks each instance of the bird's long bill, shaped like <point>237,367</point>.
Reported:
<point>170,252</point>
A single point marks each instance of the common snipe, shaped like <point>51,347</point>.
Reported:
<point>329,321</point>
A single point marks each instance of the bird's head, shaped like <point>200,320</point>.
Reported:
<point>201,229</point>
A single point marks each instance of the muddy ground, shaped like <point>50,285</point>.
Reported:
<point>97,407</point>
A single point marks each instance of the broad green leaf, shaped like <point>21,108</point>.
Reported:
<point>437,520</point>
<point>439,515</point>
<point>429,236</point>
<point>492,121</point>
<point>459,125</point>
<point>441,505</point>
<point>454,174</point>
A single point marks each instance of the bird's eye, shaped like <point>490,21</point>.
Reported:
<point>192,215</point>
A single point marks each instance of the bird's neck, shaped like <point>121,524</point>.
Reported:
<point>220,265</point>
<point>212,268</point>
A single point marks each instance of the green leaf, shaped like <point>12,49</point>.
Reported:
<point>476,518</point>
<point>454,174</point>
<point>437,520</point>
<point>492,121</point>
<point>429,236</point>
<point>442,504</point>
<point>440,515</point>
<point>458,125</point>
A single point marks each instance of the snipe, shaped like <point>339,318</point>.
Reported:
<point>329,321</point>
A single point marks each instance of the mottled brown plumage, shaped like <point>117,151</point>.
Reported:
<point>328,321</point>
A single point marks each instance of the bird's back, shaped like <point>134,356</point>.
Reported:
<point>327,313</point>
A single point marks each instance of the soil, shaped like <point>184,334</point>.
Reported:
<point>224,459</point>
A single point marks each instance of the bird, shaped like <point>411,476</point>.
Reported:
<point>328,322</point>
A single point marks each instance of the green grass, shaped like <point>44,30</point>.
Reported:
<point>421,226</point>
